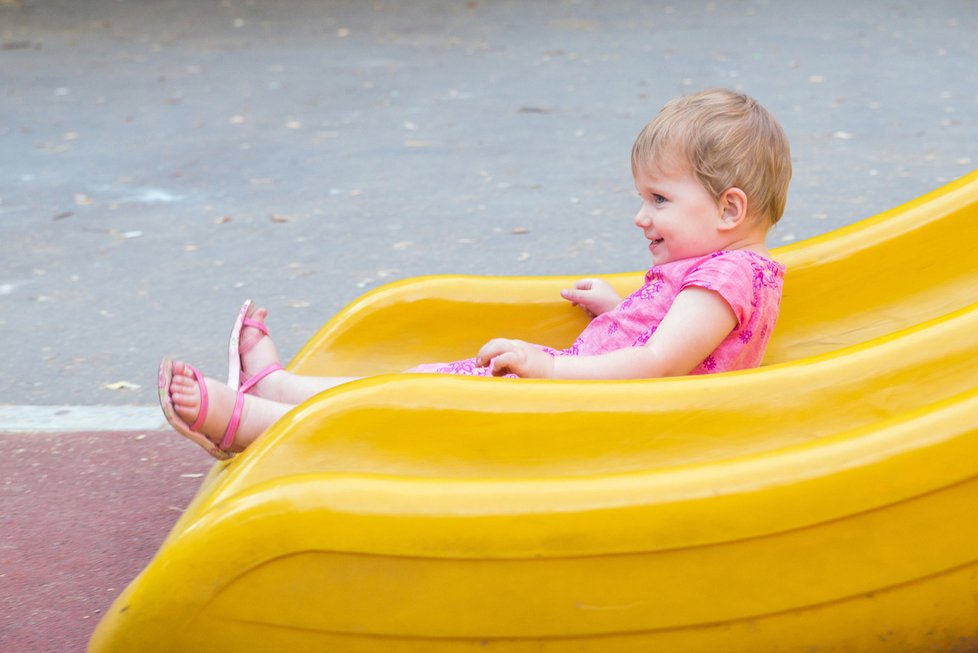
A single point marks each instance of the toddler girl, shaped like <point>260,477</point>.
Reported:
<point>712,171</point>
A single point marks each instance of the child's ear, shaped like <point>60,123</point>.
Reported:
<point>733,201</point>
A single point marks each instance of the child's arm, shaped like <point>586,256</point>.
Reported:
<point>595,296</point>
<point>695,325</point>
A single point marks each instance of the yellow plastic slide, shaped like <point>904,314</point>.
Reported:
<point>824,502</point>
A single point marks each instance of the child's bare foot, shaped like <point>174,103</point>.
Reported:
<point>260,366</point>
<point>258,352</point>
<point>257,414</point>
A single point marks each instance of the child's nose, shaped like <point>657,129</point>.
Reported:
<point>642,219</point>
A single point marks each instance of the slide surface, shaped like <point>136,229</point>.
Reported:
<point>823,502</point>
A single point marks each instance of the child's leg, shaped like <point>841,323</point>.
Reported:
<point>258,352</point>
<point>296,388</point>
<point>257,414</point>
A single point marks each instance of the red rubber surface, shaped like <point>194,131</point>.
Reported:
<point>80,515</point>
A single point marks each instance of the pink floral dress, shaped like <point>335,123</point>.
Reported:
<point>750,283</point>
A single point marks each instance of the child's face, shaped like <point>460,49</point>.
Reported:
<point>678,215</point>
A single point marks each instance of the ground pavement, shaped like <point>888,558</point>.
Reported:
<point>83,512</point>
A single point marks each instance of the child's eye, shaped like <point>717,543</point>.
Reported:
<point>658,199</point>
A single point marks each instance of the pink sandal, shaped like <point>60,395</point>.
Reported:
<point>234,350</point>
<point>220,451</point>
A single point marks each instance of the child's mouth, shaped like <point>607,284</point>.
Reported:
<point>655,243</point>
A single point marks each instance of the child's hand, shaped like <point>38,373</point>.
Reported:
<point>594,296</point>
<point>515,357</point>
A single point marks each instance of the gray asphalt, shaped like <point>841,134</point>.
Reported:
<point>161,161</point>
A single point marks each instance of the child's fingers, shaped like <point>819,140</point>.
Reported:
<point>491,350</point>
<point>504,355</point>
<point>502,364</point>
<point>572,296</point>
<point>578,298</point>
<point>580,291</point>
<point>584,290</point>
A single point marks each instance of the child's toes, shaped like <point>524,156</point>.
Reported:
<point>184,397</point>
<point>183,386</point>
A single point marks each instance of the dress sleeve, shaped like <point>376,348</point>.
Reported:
<point>732,277</point>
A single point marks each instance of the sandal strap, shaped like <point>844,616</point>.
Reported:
<point>248,321</point>
<point>202,411</point>
<point>235,421</point>
<point>254,324</point>
<point>232,428</point>
<point>253,381</point>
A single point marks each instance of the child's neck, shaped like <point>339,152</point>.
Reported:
<point>752,238</point>
<point>757,248</point>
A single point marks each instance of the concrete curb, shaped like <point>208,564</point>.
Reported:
<point>73,419</point>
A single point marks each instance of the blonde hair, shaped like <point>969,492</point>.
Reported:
<point>727,140</point>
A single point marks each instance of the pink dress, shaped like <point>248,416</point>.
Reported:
<point>750,283</point>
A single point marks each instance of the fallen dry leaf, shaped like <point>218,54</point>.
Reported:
<point>122,385</point>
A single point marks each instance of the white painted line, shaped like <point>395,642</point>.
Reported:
<point>66,419</point>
